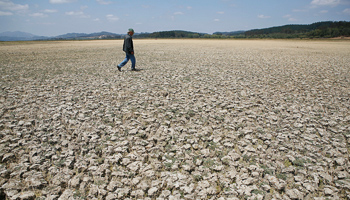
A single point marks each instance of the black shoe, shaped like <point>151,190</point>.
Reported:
<point>119,68</point>
<point>133,69</point>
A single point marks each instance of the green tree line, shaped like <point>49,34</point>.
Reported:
<point>327,29</point>
<point>316,30</point>
<point>170,34</point>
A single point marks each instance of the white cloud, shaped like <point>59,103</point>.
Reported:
<point>8,5</point>
<point>38,15</point>
<point>74,13</point>
<point>221,12</point>
<point>61,1</point>
<point>103,2</point>
<point>189,7</point>
<point>347,11</point>
<point>290,18</point>
<point>178,13</point>
<point>325,2</point>
<point>112,18</point>
<point>216,20</point>
<point>5,13</point>
<point>324,11</point>
<point>263,17</point>
<point>50,11</point>
<point>96,20</point>
<point>78,14</point>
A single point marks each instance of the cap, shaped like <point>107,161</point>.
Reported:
<point>131,30</point>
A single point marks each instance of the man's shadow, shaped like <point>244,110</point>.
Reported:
<point>137,70</point>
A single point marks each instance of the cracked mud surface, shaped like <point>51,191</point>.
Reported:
<point>202,119</point>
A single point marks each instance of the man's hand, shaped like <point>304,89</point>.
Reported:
<point>132,53</point>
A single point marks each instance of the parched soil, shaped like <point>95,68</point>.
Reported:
<point>201,119</point>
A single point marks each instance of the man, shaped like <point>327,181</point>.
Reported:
<point>128,48</point>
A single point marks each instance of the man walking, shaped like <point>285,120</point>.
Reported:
<point>128,48</point>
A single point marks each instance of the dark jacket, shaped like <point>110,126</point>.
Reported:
<point>128,46</point>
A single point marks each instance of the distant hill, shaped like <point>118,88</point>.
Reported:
<point>232,33</point>
<point>171,34</point>
<point>22,36</point>
<point>327,29</point>
<point>82,36</point>
<point>18,36</point>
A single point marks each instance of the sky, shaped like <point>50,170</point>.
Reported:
<point>57,17</point>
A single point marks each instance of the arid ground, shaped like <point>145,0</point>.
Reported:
<point>201,119</point>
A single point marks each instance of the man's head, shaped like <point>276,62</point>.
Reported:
<point>131,31</point>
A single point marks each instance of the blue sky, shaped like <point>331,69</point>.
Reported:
<point>55,17</point>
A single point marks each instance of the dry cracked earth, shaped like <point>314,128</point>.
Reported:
<point>201,119</point>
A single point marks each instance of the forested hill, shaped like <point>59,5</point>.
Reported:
<point>171,34</point>
<point>316,30</point>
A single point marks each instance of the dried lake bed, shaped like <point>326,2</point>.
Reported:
<point>201,119</point>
